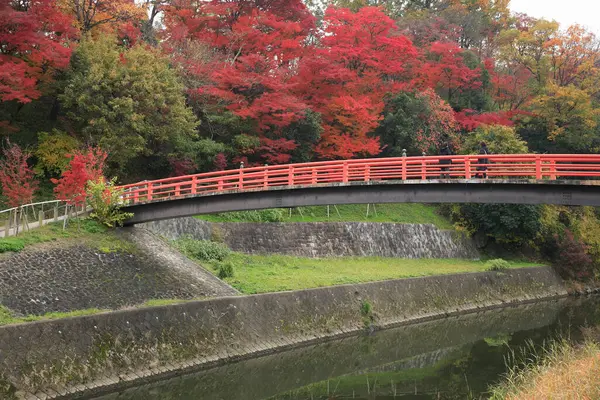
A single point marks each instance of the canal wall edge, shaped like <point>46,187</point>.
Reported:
<point>63,358</point>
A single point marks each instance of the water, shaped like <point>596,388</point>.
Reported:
<point>452,358</point>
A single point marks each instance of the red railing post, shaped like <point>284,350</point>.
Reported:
<point>538,167</point>
<point>367,173</point>
<point>177,190</point>
<point>423,169</point>
<point>467,161</point>
<point>136,196</point>
<point>404,174</point>
<point>241,179</point>
<point>345,172</point>
<point>149,191</point>
<point>553,170</point>
<point>313,178</point>
<point>194,183</point>
<point>220,185</point>
<point>266,177</point>
<point>290,175</point>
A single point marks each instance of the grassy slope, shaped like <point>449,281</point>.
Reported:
<point>273,273</point>
<point>83,232</point>
<point>400,213</point>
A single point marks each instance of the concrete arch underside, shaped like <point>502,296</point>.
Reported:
<point>564,192</point>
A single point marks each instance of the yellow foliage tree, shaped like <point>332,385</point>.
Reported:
<point>566,110</point>
<point>90,14</point>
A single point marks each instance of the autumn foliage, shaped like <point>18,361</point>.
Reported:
<point>84,167</point>
<point>17,179</point>
<point>184,86</point>
<point>35,42</point>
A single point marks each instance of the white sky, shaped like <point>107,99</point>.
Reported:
<point>566,12</point>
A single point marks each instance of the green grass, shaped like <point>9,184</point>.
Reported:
<point>403,213</point>
<point>6,317</point>
<point>84,231</point>
<point>274,273</point>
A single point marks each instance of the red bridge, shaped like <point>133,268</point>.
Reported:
<point>519,179</point>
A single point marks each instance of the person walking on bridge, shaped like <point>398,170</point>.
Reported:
<point>483,161</point>
<point>445,162</point>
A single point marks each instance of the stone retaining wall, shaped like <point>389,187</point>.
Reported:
<point>91,352</point>
<point>67,276</point>
<point>325,239</point>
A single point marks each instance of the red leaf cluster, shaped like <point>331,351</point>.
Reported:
<point>34,43</point>
<point>16,177</point>
<point>84,167</point>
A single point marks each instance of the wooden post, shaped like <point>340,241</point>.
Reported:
<point>16,224</point>
<point>553,170</point>
<point>149,191</point>
<point>7,226</point>
<point>66,217</point>
<point>56,213</point>
<point>313,178</point>
<point>367,173</point>
<point>404,174</point>
<point>423,169</point>
<point>41,218</point>
<point>538,167</point>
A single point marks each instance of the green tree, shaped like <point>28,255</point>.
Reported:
<point>506,223</point>
<point>499,139</point>
<point>416,122</point>
<point>305,132</point>
<point>127,101</point>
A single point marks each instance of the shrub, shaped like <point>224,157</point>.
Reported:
<point>91,226</point>
<point>365,308</point>
<point>497,265</point>
<point>106,202</point>
<point>572,260</point>
<point>11,244</point>
<point>226,270</point>
<point>203,249</point>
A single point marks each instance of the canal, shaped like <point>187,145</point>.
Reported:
<point>451,358</point>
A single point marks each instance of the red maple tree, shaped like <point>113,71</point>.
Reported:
<point>359,60</point>
<point>84,167</point>
<point>34,39</point>
<point>17,179</point>
<point>445,69</point>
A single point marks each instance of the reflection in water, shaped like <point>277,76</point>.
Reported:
<point>452,358</point>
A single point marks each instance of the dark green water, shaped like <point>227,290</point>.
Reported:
<point>452,358</point>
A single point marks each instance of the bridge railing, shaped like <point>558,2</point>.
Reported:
<point>524,166</point>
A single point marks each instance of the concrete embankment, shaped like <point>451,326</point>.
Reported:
<point>97,352</point>
<point>325,239</point>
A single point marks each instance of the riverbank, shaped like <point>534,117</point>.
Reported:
<point>562,370</point>
<point>98,351</point>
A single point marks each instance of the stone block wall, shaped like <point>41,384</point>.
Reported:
<point>67,276</point>
<point>84,353</point>
<point>330,239</point>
